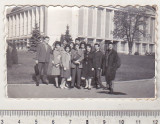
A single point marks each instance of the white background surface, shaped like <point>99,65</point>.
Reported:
<point>74,104</point>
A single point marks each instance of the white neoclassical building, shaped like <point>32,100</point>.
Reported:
<point>92,24</point>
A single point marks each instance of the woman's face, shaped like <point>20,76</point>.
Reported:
<point>88,48</point>
<point>67,49</point>
<point>82,46</point>
<point>71,45</point>
<point>77,47</point>
<point>58,46</point>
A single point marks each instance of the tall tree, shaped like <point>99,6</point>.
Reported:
<point>130,24</point>
<point>35,38</point>
<point>66,36</point>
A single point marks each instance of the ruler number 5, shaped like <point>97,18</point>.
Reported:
<point>2,122</point>
<point>121,121</point>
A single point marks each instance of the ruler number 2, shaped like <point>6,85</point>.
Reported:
<point>121,121</point>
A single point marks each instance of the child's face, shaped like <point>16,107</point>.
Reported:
<point>67,49</point>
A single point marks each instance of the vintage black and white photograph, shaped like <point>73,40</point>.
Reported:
<point>80,52</point>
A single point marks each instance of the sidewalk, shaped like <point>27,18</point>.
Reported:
<point>126,89</point>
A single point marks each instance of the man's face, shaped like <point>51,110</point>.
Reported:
<point>96,47</point>
<point>110,46</point>
<point>46,40</point>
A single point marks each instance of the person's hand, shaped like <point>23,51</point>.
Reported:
<point>65,69</point>
<point>92,69</point>
<point>99,68</point>
<point>36,61</point>
<point>57,65</point>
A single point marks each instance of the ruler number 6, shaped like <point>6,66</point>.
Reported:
<point>155,121</point>
<point>121,121</point>
<point>2,122</point>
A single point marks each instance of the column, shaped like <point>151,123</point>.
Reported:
<point>111,25</point>
<point>103,23</point>
<point>33,18</point>
<point>42,19</point>
<point>11,26</point>
<point>21,24</point>
<point>85,21</point>
<point>74,23</point>
<point>29,21</point>
<point>17,25</point>
<point>140,51</point>
<point>7,25</point>
<point>134,48</point>
<point>38,16</point>
<point>95,23</point>
<point>25,23</point>
<point>148,48</point>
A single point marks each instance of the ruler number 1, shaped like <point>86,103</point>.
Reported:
<point>121,121</point>
<point>2,122</point>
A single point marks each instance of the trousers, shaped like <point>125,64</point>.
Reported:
<point>97,78</point>
<point>76,76</point>
<point>43,69</point>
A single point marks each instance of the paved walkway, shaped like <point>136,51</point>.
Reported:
<point>123,89</point>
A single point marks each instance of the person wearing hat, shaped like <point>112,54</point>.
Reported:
<point>42,59</point>
<point>111,62</point>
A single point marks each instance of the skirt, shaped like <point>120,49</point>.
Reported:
<point>65,73</point>
<point>56,71</point>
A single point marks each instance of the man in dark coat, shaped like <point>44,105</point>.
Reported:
<point>42,59</point>
<point>111,62</point>
<point>97,65</point>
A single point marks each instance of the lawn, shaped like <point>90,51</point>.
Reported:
<point>132,68</point>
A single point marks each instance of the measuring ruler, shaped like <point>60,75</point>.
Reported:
<point>79,116</point>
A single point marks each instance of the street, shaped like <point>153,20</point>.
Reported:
<point>122,89</point>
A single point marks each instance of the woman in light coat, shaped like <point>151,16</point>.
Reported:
<point>65,66</point>
<point>56,61</point>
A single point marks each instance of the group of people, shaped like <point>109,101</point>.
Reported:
<point>80,63</point>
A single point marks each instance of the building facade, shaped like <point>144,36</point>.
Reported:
<point>91,24</point>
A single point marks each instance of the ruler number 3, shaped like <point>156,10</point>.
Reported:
<point>2,122</point>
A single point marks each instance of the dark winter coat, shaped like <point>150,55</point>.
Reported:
<point>111,62</point>
<point>87,65</point>
<point>43,53</point>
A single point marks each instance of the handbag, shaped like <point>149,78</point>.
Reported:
<point>36,69</point>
